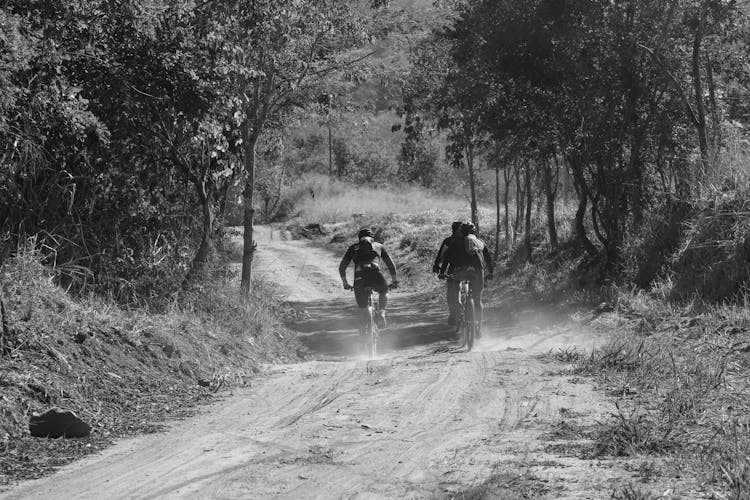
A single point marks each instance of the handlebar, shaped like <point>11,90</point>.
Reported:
<point>392,286</point>
<point>453,277</point>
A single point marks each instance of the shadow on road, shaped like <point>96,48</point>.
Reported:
<point>329,328</point>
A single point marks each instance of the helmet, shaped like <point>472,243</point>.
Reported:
<point>456,225</point>
<point>365,231</point>
<point>468,228</point>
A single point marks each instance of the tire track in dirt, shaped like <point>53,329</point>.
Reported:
<point>425,420</point>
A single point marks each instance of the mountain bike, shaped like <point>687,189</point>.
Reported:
<point>466,324</point>
<point>368,326</point>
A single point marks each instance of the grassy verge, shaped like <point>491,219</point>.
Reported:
<point>677,372</point>
<point>679,378</point>
<point>122,371</point>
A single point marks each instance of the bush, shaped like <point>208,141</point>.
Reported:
<point>651,251</point>
<point>714,261</point>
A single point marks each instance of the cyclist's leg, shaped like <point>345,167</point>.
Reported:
<point>360,295</point>
<point>477,289</point>
<point>452,296</point>
<point>375,280</point>
<point>380,286</point>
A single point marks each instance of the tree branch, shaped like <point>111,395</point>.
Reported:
<point>675,82</point>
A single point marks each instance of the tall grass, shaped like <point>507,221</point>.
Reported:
<point>679,372</point>
<point>338,201</point>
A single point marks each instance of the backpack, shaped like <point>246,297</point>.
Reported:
<point>474,247</point>
<point>364,253</point>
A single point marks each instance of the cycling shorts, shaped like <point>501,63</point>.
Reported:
<point>473,275</point>
<point>369,277</point>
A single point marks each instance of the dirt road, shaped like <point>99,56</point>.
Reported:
<point>426,420</point>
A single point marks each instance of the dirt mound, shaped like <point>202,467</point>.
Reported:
<point>307,231</point>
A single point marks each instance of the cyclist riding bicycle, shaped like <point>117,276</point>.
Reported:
<point>365,254</point>
<point>451,285</point>
<point>469,258</point>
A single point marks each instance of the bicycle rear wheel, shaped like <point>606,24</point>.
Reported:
<point>469,324</point>
<point>371,335</point>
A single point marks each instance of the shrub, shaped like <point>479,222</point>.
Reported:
<point>714,261</point>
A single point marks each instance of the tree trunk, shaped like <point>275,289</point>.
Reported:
<point>472,184</point>
<point>223,197</point>
<point>527,235</point>
<point>580,229</point>
<point>506,216</point>
<point>497,212</point>
<point>330,153</point>
<point>700,107</point>
<point>207,242</point>
<point>248,250</point>
<point>716,137</point>
<point>549,193</point>
<point>266,215</point>
<point>603,239</point>
<point>579,184</point>
<point>520,196</point>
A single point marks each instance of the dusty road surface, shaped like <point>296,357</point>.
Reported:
<point>424,420</point>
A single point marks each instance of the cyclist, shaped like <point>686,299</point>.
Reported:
<point>451,285</point>
<point>365,254</point>
<point>469,258</point>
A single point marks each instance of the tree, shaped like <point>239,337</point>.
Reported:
<point>573,79</point>
<point>417,161</point>
<point>276,55</point>
<point>440,91</point>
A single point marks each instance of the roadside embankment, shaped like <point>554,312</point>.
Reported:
<point>122,371</point>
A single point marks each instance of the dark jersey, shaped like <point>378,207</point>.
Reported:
<point>458,256</point>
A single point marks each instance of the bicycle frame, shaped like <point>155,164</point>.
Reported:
<point>466,324</point>
<point>368,327</point>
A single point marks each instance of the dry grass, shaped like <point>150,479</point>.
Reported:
<point>123,371</point>
<point>410,221</point>
<point>337,201</point>
<point>679,374</point>
<point>633,492</point>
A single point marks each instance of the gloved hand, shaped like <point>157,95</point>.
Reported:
<point>436,269</point>
<point>347,286</point>
<point>441,276</point>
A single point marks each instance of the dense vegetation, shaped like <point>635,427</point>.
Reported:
<point>131,129</point>
<point>640,105</point>
<point>124,123</point>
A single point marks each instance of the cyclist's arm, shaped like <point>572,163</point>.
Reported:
<point>446,262</point>
<point>348,256</point>
<point>441,255</point>
<point>436,265</point>
<point>388,262</point>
